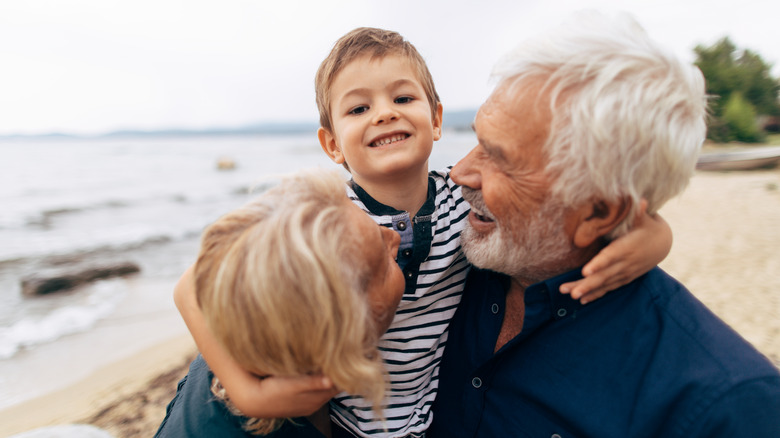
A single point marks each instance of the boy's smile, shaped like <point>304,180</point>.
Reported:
<point>383,125</point>
<point>387,139</point>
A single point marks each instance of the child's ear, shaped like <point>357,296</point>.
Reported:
<point>438,120</point>
<point>596,219</point>
<point>328,143</point>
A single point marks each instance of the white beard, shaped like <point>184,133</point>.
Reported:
<point>534,249</point>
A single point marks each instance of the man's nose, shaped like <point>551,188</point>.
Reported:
<point>466,173</point>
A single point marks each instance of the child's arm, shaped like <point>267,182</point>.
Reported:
<point>624,259</point>
<point>271,397</point>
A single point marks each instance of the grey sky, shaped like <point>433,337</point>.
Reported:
<point>91,66</point>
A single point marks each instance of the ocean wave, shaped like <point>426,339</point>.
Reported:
<point>60,322</point>
<point>45,217</point>
<point>51,257</point>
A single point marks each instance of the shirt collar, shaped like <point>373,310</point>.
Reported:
<point>380,209</point>
<point>561,305</point>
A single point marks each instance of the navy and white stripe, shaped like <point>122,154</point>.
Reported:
<point>413,345</point>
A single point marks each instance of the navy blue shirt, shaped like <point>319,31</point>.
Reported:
<point>196,413</point>
<point>647,360</point>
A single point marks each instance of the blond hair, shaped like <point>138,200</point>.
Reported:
<point>375,43</point>
<point>282,291</point>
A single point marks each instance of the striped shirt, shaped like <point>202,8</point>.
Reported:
<point>435,270</point>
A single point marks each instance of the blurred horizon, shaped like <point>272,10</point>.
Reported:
<point>458,120</point>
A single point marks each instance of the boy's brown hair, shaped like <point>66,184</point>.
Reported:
<point>376,43</point>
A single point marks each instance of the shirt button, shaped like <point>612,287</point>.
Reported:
<point>555,435</point>
<point>561,313</point>
<point>401,225</point>
<point>476,382</point>
<point>407,252</point>
<point>409,274</point>
<point>494,308</point>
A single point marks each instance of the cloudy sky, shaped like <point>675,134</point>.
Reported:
<point>92,66</point>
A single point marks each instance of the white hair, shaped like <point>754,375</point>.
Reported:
<point>628,116</point>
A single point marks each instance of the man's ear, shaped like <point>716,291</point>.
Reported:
<point>596,219</point>
<point>438,120</point>
<point>328,143</point>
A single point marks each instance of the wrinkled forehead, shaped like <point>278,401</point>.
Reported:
<point>515,108</point>
<point>513,126</point>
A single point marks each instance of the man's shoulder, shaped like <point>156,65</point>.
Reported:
<point>682,315</point>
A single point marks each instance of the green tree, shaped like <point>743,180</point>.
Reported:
<point>739,116</point>
<point>728,70</point>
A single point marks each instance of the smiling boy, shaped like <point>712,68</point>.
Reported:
<point>379,116</point>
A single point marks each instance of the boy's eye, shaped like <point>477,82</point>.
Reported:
<point>403,99</point>
<point>358,109</point>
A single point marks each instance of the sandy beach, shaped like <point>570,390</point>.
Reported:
<point>726,251</point>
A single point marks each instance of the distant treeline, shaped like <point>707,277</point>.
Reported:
<point>453,120</point>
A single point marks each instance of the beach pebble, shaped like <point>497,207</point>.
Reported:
<point>66,431</point>
<point>226,163</point>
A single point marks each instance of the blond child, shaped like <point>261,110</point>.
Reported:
<point>379,116</point>
<point>298,281</point>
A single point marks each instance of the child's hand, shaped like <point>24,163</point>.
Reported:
<point>624,259</point>
<point>282,397</point>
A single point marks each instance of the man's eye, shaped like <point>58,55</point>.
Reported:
<point>358,110</point>
<point>403,99</point>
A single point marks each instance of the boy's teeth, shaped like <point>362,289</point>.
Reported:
<point>387,140</point>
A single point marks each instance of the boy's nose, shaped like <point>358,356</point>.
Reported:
<point>385,114</point>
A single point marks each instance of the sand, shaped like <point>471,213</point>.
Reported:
<point>127,398</point>
<point>726,251</point>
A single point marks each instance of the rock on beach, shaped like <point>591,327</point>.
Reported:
<point>42,284</point>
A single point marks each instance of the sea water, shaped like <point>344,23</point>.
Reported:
<point>71,203</point>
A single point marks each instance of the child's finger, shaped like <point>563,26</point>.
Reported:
<point>594,295</point>
<point>595,285</point>
<point>610,256</point>
<point>312,383</point>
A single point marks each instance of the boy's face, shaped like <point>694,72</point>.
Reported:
<point>382,124</point>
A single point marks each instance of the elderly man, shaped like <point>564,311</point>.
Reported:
<point>583,125</point>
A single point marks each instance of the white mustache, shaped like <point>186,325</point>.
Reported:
<point>477,202</point>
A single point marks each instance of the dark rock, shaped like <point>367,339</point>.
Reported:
<point>35,285</point>
<point>39,284</point>
<point>109,271</point>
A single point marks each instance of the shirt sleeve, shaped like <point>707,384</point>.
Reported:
<point>751,409</point>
